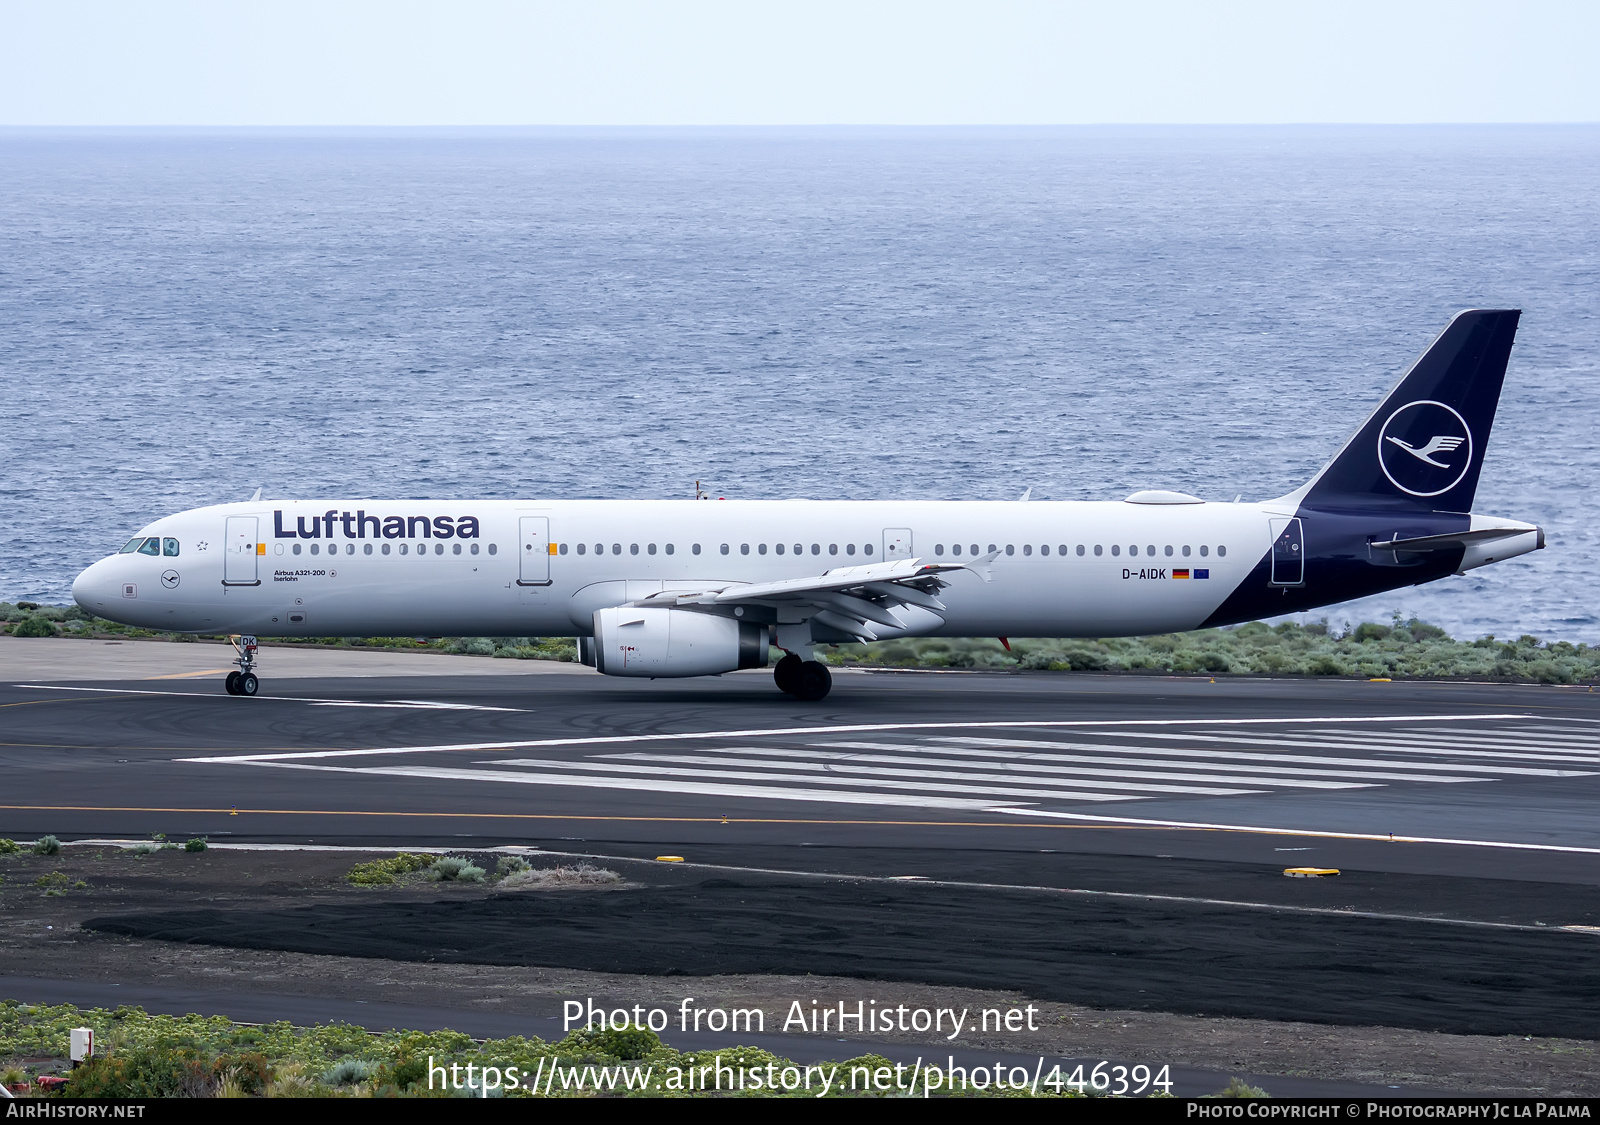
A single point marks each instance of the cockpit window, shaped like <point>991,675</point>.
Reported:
<point>151,546</point>
<point>169,547</point>
<point>133,545</point>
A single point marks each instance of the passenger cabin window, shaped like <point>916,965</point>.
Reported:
<point>866,548</point>
<point>1080,550</point>
<point>475,548</point>
<point>1116,549</point>
<point>849,548</point>
<point>724,548</point>
<point>366,548</point>
<point>561,550</point>
<point>583,548</point>
<point>1186,550</point>
<point>761,549</point>
<point>696,548</point>
<point>1204,550</point>
<point>492,548</point>
<point>385,548</point>
<point>778,548</point>
<point>669,548</point>
<point>1221,550</point>
<point>1096,550</point>
<point>938,548</point>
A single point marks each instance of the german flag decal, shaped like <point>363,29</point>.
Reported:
<point>1184,573</point>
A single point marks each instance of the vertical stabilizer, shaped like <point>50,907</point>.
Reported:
<point>1423,448</point>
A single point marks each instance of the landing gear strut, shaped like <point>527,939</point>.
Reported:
<point>243,682</point>
<point>806,680</point>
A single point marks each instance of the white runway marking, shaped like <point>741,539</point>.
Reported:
<point>860,728</point>
<point>1253,756</point>
<point>1087,764</point>
<point>421,704</point>
<point>1278,831</point>
<point>1016,765</point>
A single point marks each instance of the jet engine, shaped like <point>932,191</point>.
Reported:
<point>674,642</point>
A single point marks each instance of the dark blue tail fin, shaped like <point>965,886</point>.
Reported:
<point>1422,449</point>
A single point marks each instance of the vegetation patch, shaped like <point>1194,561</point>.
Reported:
<point>581,875</point>
<point>1400,649</point>
<point>382,871</point>
<point>139,1055</point>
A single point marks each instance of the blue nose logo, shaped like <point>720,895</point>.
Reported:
<point>1425,448</point>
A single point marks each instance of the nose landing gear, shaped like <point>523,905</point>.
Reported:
<point>806,680</point>
<point>244,681</point>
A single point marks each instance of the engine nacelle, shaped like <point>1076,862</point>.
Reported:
<point>674,642</point>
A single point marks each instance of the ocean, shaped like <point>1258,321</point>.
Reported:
<point>186,316</point>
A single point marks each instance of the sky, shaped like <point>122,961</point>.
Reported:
<point>701,62</point>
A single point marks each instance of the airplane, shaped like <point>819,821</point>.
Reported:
<point>664,588</point>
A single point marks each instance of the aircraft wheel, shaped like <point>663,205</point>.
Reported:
<point>812,682</point>
<point>786,671</point>
<point>248,684</point>
<point>231,684</point>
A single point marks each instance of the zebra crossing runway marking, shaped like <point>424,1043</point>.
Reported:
<point>1083,763</point>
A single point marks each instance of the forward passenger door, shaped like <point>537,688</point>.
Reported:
<point>534,551</point>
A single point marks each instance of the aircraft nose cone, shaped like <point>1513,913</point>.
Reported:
<point>91,589</point>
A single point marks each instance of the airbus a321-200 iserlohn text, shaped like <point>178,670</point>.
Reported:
<point>683,588</point>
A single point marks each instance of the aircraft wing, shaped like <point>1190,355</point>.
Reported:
<point>850,599</point>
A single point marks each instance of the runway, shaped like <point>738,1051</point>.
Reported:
<point>1018,831</point>
<point>1489,778</point>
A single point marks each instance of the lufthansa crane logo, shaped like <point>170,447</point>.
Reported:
<point>1425,448</point>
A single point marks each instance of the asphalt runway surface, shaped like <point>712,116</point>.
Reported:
<point>1111,840</point>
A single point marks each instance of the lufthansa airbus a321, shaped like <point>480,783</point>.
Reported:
<point>658,588</point>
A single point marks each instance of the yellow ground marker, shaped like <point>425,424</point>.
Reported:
<point>1309,872</point>
<point>669,859</point>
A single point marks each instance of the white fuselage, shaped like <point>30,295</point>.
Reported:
<point>512,568</point>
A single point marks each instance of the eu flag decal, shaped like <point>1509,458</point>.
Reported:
<point>1202,574</point>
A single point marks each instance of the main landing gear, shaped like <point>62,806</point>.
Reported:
<point>243,682</point>
<point>806,680</point>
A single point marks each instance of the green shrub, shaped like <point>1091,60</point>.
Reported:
<point>510,865</point>
<point>197,844</point>
<point>1239,1088</point>
<point>9,847</point>
<point>47,845</point>
<point>454,869</point>
<point>349,1072</point>
<point>34,627</point>
<point>629,1042</point>
<point>381,871</point>
<point>1367,631</point>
